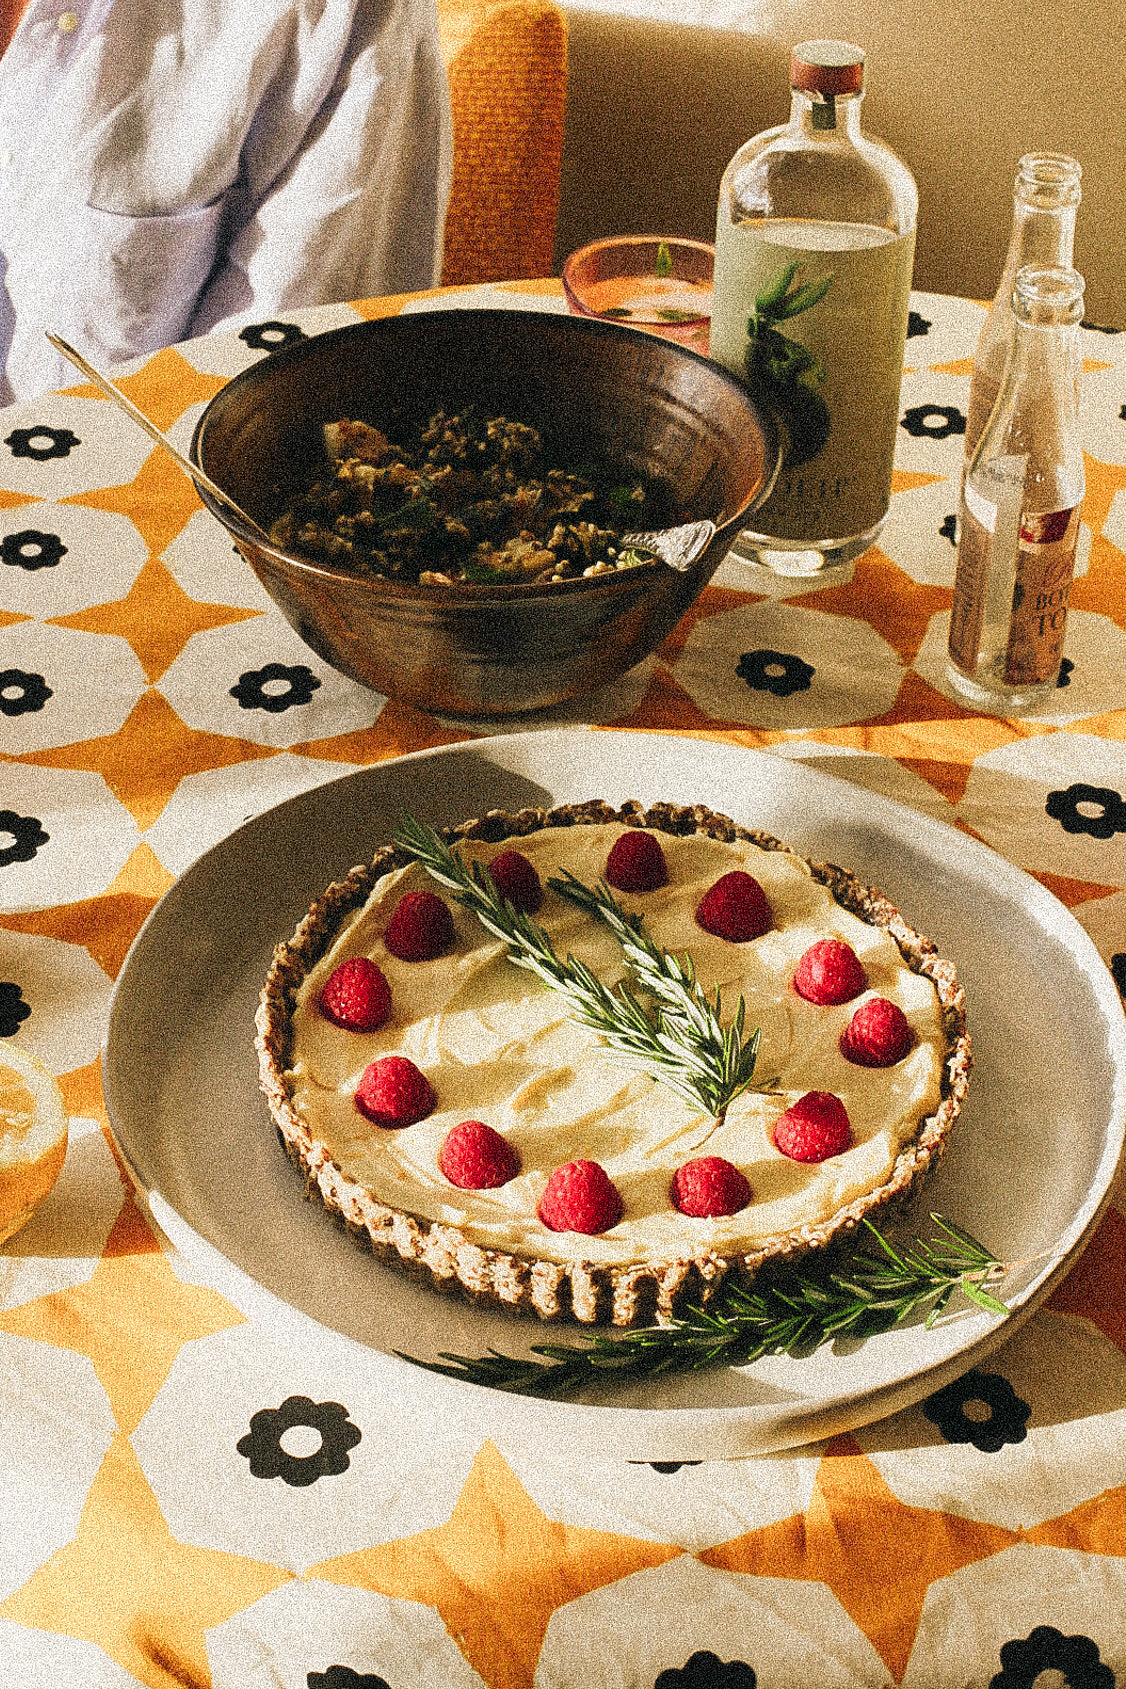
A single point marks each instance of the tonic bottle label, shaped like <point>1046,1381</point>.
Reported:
<point>1045,566</point>
<point>814,316</point>
<point>990,534</point>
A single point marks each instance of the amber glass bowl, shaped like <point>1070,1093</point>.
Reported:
<point>662,284</point>
<point>643,405</point>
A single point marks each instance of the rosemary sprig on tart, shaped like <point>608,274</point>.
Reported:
<point>869,1292</point>
<point>725,1061</point>
<point>681,1043</point>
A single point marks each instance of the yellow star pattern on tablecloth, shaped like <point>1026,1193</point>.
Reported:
<point>126,1584</point>
<point>1071,892</point>
<point>163,389</point>
<point>131,1317</point>
<point>497,1570</point>
<point>82,1094</point>
<point>105,926</point>
<point>145,760</point>
<point>713,601</point>
<point>878,1556</point>
<point>156,616</point>
<point>668,708</point>
<point>1103,588</point>
<point>1093,1287</point>
<point>398,728</point>
<point>875,595</point>
<point>1097,1526</point>
<point>159,500</point>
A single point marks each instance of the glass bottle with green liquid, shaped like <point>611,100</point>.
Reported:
<point>815,242</point>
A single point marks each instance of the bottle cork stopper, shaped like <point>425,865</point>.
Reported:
<point>828,68</point>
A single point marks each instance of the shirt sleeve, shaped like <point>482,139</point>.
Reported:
<point>358,210</point>
<point>212,162</point>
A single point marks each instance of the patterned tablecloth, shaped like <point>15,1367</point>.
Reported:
<point>187,1497</point>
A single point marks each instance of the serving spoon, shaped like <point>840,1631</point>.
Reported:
<point>678,547</point>
<point>190,469</point>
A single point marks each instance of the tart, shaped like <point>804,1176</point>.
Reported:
<point>494,1048</point>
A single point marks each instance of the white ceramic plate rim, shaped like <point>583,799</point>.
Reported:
<point>567,764</point>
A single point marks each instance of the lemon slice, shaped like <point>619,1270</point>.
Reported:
<point>33,1132</point>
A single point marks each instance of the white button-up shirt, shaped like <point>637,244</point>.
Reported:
<point>171,167</point>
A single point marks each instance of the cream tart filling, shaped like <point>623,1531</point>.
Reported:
<point>498,1046</point>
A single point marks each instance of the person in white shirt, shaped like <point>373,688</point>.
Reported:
<point>175,166</point>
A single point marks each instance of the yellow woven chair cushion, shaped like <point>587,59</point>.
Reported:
<point>507,66</point>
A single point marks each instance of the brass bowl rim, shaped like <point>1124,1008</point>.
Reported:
<point>469,591</point>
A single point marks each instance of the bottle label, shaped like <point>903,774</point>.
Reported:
<point>814,316</point>
<point>1012,584</point>
<point>1045,566</point>
<point>989,534</point>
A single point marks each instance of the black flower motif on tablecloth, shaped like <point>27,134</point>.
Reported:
<point>21,692</point>
<point>705,1670</point>
<point>1122,414</point>
<point>1076,1658</point>
<point>31,549</point>
<point>13,1009</point>
<point>1110,818</point>
<point>916,325</point>
<point>41,442</point>
<point>251,692</point>
<point>665,1466</point>
<point>1118,969</point>
<point>1099,328</point>
<point>779,672</point>
<point>933,422</point>
<point>948,528</point>
<point>262,1444</point>
<point>26,835</point>
<point>1007,1418</point>
<point>343,1677</point>
<point>271,337</point>
<point>1067,669</point>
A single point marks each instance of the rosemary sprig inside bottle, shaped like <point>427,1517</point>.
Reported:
<point>681,1042</point>
<point>795,1313</point>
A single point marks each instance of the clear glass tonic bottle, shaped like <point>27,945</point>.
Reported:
<point>1019,511</point>
<point>1046,195</point>
<point>815,241</point>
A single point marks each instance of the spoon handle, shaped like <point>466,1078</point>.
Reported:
<point>190,469</point>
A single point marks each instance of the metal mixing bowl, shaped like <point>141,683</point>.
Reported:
<point>644,405</point>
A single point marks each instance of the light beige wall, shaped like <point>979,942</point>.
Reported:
<point>654,111</point>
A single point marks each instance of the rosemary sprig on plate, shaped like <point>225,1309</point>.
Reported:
<point>871,1291</point>
<point>682,1045</point>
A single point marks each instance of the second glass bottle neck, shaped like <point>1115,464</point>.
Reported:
<point>1041,236</point>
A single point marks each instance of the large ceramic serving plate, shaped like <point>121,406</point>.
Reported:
<point>1028,1171</point>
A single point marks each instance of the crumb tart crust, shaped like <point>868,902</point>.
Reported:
<point>497,1045</point>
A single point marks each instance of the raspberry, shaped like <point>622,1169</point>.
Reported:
<point>709,1186</point>
<point>580,1198</point>
<point>356,996</point>
<point>815,1128</point>
<point>516,879</point>
<point>420,928</point>
<point>636,862</point>
<point>829,972</point>
<point>735,908</point>
<point>878,1035</point>
<point>392,1093</point>
<point>475,1158</point>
